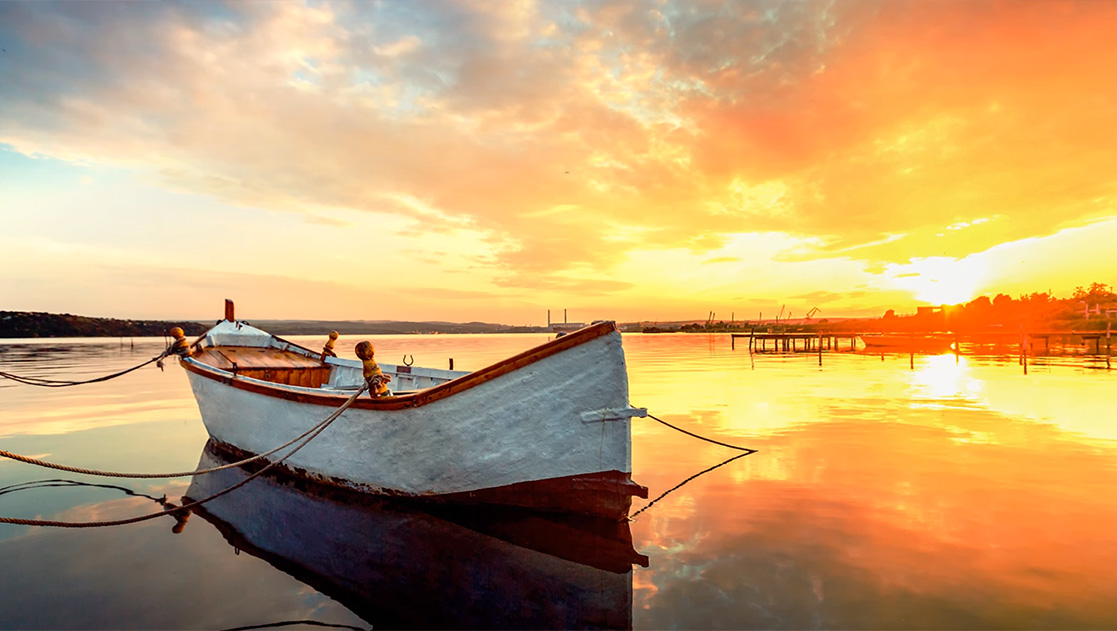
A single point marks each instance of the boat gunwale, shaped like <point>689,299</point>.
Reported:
<point>411,400</point>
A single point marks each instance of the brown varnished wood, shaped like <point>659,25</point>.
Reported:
<point>251,358</point>
<point>422,397</point>
<point>307,378</point>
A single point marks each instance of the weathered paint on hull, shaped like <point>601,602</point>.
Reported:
<point>605,494</point>
<point>531,425</point>
<point>398,567</point>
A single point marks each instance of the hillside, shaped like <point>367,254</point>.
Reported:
<point>38,324</point>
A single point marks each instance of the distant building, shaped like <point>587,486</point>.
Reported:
<point>559,327</point>
<point>564,326</point>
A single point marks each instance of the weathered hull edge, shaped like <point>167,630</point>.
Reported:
<point>606,494</point>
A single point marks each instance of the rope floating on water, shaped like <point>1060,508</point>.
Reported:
<point>61,383</point>
<point>182,510</point>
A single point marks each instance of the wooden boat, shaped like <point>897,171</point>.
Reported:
<point>398,566</point>
<point>547,429</point>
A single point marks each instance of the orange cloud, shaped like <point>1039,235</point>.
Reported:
<point>568,136</point>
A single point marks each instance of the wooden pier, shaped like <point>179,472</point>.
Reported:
<point>811,342</point>
<point>796,342</point>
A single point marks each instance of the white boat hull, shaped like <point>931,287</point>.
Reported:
<point>562,417</point>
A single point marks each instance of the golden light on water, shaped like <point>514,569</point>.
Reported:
<point>956,491</point>
<point>944,376</point>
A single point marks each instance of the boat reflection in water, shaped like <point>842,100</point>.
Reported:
<point>399,565</point>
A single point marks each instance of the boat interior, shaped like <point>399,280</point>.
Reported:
<point>288,364</point>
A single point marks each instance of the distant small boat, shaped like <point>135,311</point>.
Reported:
<point>546,429</point>
<point>397,566</point>
<point>894,341</point>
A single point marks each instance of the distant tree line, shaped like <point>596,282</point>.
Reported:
<point>1087,308</point>
<point>38,324</point>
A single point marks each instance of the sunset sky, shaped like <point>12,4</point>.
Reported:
<point>493,160</point>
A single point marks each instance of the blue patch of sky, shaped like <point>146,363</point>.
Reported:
<point>565,16</point>
<point>19,171</point>
<point>307,76</point>
<point>365,75</point>
<point>388,22</point>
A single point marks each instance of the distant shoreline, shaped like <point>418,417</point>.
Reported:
<point>34,324</point>
<point>1055,314</point>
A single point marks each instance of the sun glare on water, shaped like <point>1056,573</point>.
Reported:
<point>940,280</point>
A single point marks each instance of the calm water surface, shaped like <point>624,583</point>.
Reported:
<point>955,494</point>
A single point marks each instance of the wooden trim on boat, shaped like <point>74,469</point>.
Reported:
<point>422,397</point>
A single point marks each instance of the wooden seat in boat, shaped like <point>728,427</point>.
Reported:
<point>268,364</point>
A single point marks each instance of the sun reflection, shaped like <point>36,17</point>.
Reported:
<point>944,376</point>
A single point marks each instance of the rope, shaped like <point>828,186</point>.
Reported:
<point>709,440</point>
<point>288,623</point>
<point>59,482</point>
<point>748,452</point>
<point>632,517</point>
<point>186,507</point>
<point>179,474</point>
<point>59,383</point>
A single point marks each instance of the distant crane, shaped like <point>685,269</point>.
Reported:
<point>781,314</point>
<point>810,314</point>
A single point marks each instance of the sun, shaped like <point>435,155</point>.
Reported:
<point>940,280</point>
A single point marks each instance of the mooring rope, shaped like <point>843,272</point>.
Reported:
<point>185,508</point>
<point>178,474</point>
<point>288,623</point>
<point>60,383</point>
<point>632,517</point>
<point>747,451</point>
<point>60,482</point>
<point>709,440</point>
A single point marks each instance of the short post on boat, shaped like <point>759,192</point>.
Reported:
<point>328,348</point>
<point>180,346</point>
<point>375,378</point>
<point>229,316</point>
